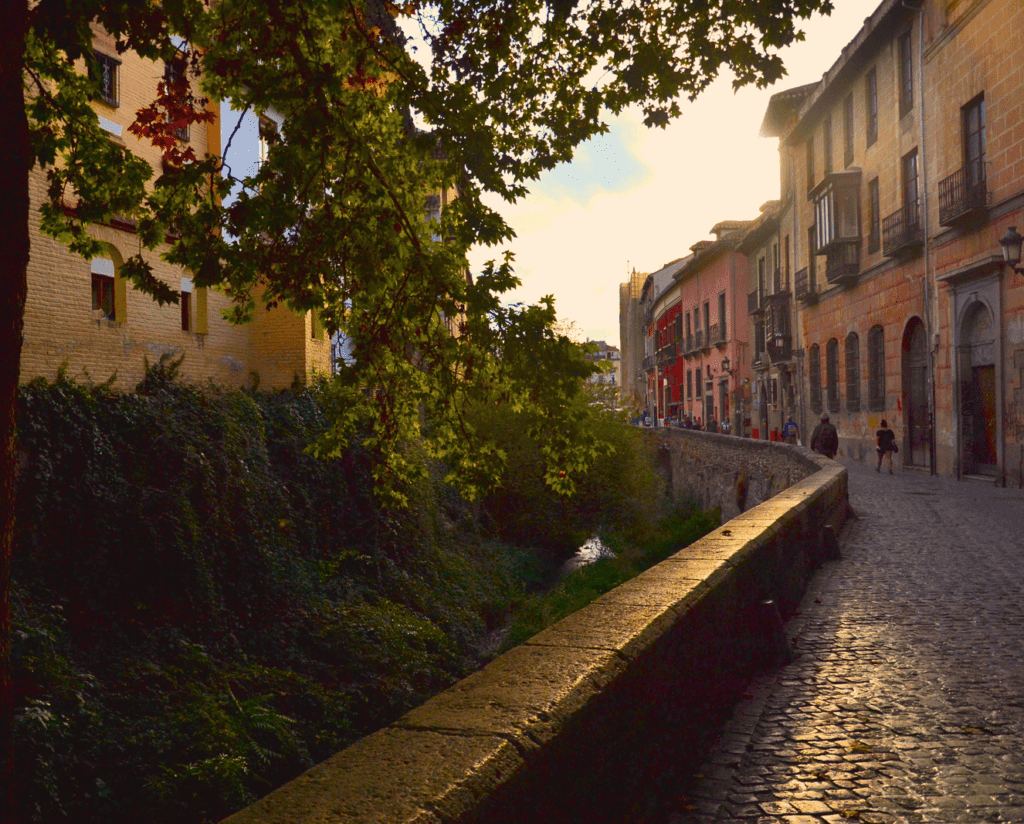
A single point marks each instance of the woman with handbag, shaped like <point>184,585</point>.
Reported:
<point>886,440</point>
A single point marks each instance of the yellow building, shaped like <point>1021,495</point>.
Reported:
<point>83,314</point>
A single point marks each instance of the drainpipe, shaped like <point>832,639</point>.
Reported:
<point>928,292</point>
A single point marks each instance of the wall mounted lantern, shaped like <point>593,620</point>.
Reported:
<point>726,365</point>
<point>1011,243</point>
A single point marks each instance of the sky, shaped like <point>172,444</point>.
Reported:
<point>640,198</point>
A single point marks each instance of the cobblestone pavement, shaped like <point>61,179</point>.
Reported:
<point>906,702</point>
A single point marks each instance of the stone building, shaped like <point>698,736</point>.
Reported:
<point>631,340</point>
<point>900,172</point>
<point>83,314</point>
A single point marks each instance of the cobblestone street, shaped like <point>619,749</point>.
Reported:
<point>906,700</point>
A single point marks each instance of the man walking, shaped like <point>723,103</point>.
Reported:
<point>825,439</point>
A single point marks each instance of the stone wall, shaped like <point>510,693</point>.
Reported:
<point>733,473</point>
<point>586,719</point>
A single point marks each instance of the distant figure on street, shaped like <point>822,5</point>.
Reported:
<point>825,439</point>
<point>790,431</point>
<point>726,427</point>
<point>697,425</point>
<point>712,425</point>
<point>886,445</point>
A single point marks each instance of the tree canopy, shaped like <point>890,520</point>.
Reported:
<point>484,97</point>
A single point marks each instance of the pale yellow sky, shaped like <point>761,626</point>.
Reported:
<point>641,198</point>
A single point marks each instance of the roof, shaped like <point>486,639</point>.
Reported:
<point>783,109</point>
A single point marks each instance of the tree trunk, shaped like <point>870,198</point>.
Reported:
<point>15,158</point>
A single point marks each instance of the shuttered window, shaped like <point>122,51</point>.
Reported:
<point>814,370</point>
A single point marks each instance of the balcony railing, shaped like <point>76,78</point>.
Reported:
<point>962,195</point>
<point>698,339</point>
<point>804,284</point>
<point>647,364</point>
<point>714,335</point>
<point>902,231</point>
<point>843,262</point>
<point>753,303</point>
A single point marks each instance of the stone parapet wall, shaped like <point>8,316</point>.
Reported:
<point>581,721</point>
<point>733,473</point>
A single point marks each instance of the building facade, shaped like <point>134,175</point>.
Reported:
<point>83,315</point>
<point>900,171</point>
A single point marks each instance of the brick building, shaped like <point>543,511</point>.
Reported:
<point>900,172</point>
<point>84,314</point>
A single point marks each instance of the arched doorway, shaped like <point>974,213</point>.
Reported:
<point>915,394</point>
<point>977,373</point>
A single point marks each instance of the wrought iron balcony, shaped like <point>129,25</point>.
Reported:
<point>962,195</point>
<point>753,303</point>
<point>698,339</point>
<point>902,232</point>
<point>647,364</point>
<point>805,286</point>
<point>843,262</point>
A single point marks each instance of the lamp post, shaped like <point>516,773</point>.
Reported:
<point>1011,243</point>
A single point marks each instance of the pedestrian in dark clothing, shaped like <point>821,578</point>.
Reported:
<point>825,439</point>
<point>712,426</point>
<point>886,445</point>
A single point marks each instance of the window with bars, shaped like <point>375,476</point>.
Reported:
<point>814,376</point>
<point>106,72</point>
<point>906,69</point>
<point>876,369</point>
<point>871,105</point>
<point>874,219</point>
<point>853,372</point>
<point>910,187</point>
<point>848,130</point>
<point>832,374</point>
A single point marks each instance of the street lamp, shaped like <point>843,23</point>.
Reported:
<point>726,365</point>
<point>1011,243</point>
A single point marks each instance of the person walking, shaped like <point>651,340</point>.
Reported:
<point>886,439</point>
<point>790,431</point>
<point>825,439</point>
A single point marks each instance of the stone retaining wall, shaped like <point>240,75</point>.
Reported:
<point>581,722</point>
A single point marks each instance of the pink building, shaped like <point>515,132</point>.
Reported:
<point>702,362</point>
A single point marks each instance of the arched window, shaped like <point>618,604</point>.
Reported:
<point>876,369</point>
<point>853,372</point>
<point>814,370</point>
<point>832,374</point>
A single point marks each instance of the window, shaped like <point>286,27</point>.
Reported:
<point>186,311</point>
<point>103,288</point>
<point>721,316</point>
<point>973,117</point>
<point>174,73</point>
<point>810,163</point>
<point>874,219</point>
<point>876,369</point>
<point>697,381</point>
<point>853,372</point>
<point>906,73</point>
<point>707,320</point>
<point>103,295</point>
<point>814,377</point>
<point>871,106</point>
<point>776,272</point>
<point>832,374</point>
<point>827,144</point>
<point>837,210</point>
<point>106,72</point>
<point>689,333</point>
<point>848,130</point>
<point>689,384</point>
<point>910,194</point>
